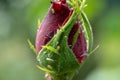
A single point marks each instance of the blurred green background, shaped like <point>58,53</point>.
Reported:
<point>18,22</point>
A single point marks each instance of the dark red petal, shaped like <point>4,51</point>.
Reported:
<point>63,1</point>
<point>57,6</point>
<point>51,22</point>
<point>80,47</point>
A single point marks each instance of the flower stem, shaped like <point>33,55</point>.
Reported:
<point>67,76</point>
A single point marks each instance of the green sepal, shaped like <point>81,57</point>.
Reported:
<point>75,37</point>
<point>94,49</point>
<point>62,63</point>
<point>88,31</point>
<point>32,46</point>
<point>44,69</point>
<point>51,49</point>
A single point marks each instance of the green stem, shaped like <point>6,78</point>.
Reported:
<point>67,76</point>
<point>60,78</point>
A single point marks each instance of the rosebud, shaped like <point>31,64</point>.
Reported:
<point>60,41</point>
<point>53,21</point>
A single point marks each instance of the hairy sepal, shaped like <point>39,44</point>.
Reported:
<point>88,31</point>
